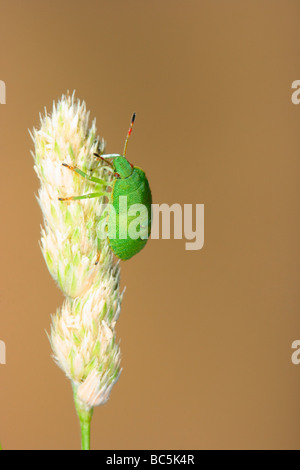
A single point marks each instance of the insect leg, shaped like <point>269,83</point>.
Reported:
<point>85,196</point>
<point>84,175</point>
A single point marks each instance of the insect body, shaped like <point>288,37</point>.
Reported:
<point>129,183</point>
<point>133,184</point>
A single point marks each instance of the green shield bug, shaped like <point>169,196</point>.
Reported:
<point>130,184</point>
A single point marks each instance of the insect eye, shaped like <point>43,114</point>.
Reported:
<point>116,175</point>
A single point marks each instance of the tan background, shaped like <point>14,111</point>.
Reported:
<point>205,336</point>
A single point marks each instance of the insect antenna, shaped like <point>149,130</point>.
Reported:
<point>103,159</point>
<point>128,134</point>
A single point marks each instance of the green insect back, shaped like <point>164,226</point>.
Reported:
<point>129,220</point>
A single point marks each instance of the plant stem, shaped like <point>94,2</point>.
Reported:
<point>85,416</point>
<point>85,426</point>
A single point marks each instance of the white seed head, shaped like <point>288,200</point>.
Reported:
<point>83,330</point>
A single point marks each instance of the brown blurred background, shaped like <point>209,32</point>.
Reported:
<point>205,335</point>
